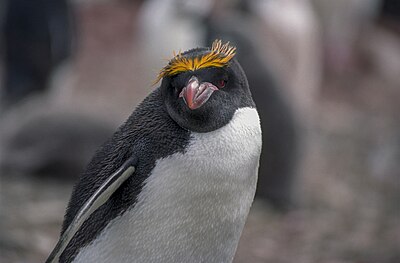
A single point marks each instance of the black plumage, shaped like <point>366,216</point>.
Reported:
<point>150,134</point>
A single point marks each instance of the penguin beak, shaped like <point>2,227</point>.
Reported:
<point>195,94</point>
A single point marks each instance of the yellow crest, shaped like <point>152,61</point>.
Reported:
<point>219,56</point>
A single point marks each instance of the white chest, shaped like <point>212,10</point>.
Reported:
<point>193,206</point>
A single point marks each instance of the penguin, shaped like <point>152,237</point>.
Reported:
<point>282,141</point>
<point>176,181</point>
<point>37,38</point>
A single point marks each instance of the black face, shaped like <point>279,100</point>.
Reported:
<point>206,99</point>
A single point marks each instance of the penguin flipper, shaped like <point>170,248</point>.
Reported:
<point>98,198</point>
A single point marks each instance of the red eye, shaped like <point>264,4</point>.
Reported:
<point>221,83</point>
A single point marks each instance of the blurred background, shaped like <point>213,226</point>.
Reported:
<point>324,75</point>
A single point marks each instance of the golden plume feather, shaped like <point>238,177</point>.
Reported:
<point>218,56</point>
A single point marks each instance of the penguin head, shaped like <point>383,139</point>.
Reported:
<point>203,87</point>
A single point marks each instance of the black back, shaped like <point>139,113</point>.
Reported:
<point>150,134</point>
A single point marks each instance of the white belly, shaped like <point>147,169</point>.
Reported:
<point>193,206</point>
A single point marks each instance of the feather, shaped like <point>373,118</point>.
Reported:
<point>219,56</point>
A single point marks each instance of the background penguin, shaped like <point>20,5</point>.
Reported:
<point>37,37</point>
<point>23,149</point>
<point>195,144</point>
<point>279,157</point>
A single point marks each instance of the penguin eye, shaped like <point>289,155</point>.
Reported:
<point>221,83</point>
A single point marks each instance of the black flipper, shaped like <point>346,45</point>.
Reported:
<point>99,197</point>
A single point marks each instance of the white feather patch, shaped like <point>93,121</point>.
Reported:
<point>193,206</point>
